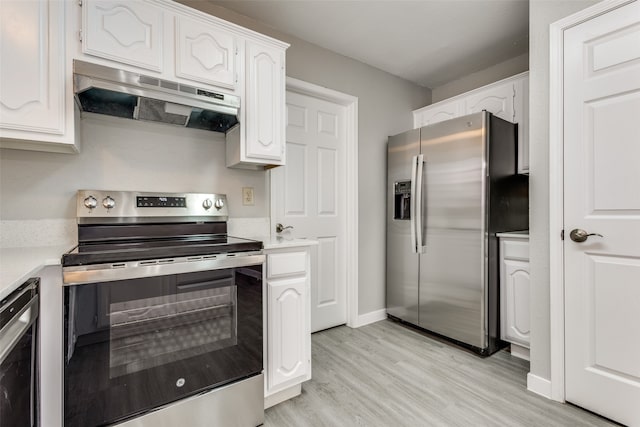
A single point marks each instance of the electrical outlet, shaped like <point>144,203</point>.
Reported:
<point>247,196</point>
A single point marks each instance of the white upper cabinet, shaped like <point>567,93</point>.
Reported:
<point>205,53</point>
<point>126,31</point>
<point>507,99</point>
<point>264,103</point>
<point>439,113</point>
<point>36,104</point>
<point>496,99</point>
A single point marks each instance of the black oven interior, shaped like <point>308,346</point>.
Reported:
<point>137,344</point>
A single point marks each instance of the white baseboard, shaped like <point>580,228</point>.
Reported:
<point>368,318</point>
<point>520,352</point>
<point>281,396</point>
<point>539,385</point>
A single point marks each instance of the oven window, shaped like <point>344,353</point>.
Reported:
<point>137,344</point>
<point>17,383</point>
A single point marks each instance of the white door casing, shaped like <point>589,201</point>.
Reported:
<point>596,104</point>
<point>316,193</point>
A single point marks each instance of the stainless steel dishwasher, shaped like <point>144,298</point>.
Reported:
<point>18,356</point>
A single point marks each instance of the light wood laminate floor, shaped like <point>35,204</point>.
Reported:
<point>386,374</point>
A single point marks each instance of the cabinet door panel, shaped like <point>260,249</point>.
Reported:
<point>265,103</point>
<point>438,113</point>
<point>205,53</point>
<point>497,100</point>
<point>521,116</point>
<point>287,356</point>
<point>127,31</point>
<point>32,81</point>
<point>516,293</point>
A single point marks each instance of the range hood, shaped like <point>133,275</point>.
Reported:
<point>104,90</point>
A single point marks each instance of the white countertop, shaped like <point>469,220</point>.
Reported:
<point>277,242</point>
<point>19,264</point>
<point>524,234</point>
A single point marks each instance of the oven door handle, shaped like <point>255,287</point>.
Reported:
<point>81,275</point>
<point>17,326</point>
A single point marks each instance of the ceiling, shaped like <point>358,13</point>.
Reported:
<point>428,42</point>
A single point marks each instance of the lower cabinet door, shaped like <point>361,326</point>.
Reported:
<point>516,293</point>
<point>287,354</point>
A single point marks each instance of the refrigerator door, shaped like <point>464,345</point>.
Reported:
<point>452,265</point>
<point>402,256</point>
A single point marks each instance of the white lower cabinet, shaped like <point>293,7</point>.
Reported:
<point>514,292</point>
<point>288,330</point>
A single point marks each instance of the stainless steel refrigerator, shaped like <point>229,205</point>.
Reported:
<point>451,187</point>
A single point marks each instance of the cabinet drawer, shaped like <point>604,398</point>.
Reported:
<point>284,264</point>
<point>518,250</point>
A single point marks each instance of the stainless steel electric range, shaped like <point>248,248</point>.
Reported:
<point>162,314</point>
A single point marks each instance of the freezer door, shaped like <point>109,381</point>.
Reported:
<point>402,258</point>
<point>452,265</point>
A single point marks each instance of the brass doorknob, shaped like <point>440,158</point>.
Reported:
<point>578,235</point>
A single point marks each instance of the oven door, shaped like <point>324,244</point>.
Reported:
<point>136,344</point>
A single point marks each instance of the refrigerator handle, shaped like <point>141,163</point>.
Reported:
<point>412,205</point>
<point>418,203</point>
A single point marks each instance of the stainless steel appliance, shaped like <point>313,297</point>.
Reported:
<point>163,314</point>
<point>451,187</point>
<point>18,356</point>
<point>104,90</point>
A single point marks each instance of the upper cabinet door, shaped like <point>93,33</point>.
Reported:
<point>126,31</point>
<point>496,99</point>
<point>437,113</point>
<point>521,116</point>
<point>205,53</point>
<point>265,103</point>
<point>35,106</point>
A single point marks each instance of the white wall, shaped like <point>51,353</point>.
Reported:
<point>121,154</point>
<point>385,103</point>
<point>541,14</point>
<point>500,71</point>
<point>125,155</point>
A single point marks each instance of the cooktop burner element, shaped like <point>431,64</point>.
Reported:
<point>117,226</point>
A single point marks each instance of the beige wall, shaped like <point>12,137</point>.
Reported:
<point>500,71</point>
<point>541,14</point>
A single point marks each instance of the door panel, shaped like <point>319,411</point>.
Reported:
<point>452,272</point>
<point>602,291</point>
<point>402,260</point>
<point>308,195</point>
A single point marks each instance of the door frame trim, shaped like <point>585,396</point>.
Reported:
<point>556,187</point>
<point>351,157</point>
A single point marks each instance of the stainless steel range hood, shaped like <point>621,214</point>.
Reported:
<point>104,90</point>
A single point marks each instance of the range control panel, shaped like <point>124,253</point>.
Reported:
<point>132,204</point>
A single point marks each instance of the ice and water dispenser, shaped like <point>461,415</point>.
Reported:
<point>402,200</point>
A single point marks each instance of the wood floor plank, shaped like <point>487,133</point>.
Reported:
<point>386,374</point>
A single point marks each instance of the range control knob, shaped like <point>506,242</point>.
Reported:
<point>207,204</point>
<point>219,204</point>
<point>90,202</point>
<point>108,202</point>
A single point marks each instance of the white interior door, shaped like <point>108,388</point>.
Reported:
<point>602,195</point>
<point>309,195</point>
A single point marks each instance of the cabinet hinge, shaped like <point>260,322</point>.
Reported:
<point>562,235</point>
<point>80,3</point>
<point>80,35</point>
